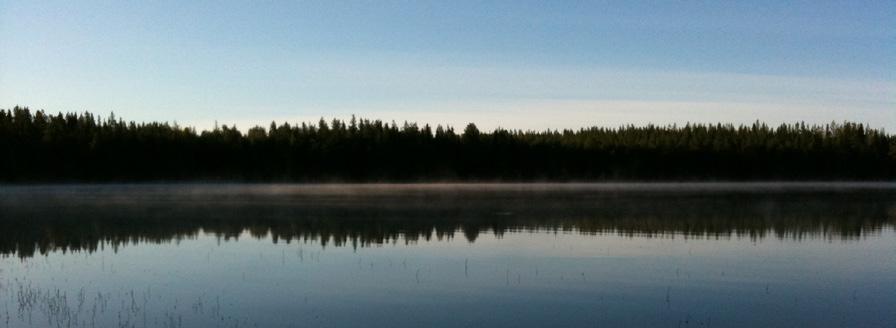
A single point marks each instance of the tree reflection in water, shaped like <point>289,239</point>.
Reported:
<point>85,218</point>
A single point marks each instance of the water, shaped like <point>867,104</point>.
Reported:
<point>517,255</point>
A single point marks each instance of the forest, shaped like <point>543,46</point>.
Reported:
<point>37,146</point>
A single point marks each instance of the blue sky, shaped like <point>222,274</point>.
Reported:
<point>516,64</point>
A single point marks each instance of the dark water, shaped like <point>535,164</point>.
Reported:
<point>658,255</point>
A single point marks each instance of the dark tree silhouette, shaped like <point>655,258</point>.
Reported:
<point>36,147</point>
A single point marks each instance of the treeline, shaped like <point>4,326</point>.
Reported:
<point>42,147</point>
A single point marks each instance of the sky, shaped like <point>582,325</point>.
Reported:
<point>511,64</point>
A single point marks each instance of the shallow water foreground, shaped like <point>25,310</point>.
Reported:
<point>507,255</point>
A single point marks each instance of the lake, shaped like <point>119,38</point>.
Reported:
<point>449,255</point>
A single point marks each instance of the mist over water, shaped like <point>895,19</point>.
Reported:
<point>234,255</point>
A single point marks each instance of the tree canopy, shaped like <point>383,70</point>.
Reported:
<point>70,147</point>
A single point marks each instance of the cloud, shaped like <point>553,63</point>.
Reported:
<point>509,96</point>
<point>573,114</point>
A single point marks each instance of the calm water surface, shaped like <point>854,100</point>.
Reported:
<point>517,255</point>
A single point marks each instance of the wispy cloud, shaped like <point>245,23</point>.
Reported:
<point>540,98</point>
